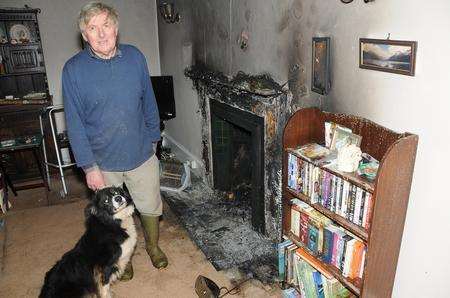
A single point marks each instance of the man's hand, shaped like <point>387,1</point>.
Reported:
<point>95,180</point>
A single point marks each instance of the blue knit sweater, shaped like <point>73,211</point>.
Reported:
<point>110,108</point>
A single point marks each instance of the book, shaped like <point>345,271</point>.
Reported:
<point>317,277</point>
<point>358,202</point>
<point>351,202</point>
<point>289,257</point>
<point>319,266</point>
<point>334,289</point>
<point>281,258</point>
<point>330,128</point>
<point>340,258</point>
<point>307,279</point>
<point>363,262</point>
<point>312,151</point>
<point>292,171</point>
<point>328,242</point>
<point>313,238</point>
<point>295,220</point>
<point>369,202</point>
<point>338,233</point>
<point>355,264</point>
<point>344,199</point>
<point>361,211</point>
<point>344,137</point>
<point>319,221</point>
<point>304,219</point>
<point>348,259</point>
<point>290,293</point>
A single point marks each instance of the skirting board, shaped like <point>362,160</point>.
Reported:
<point>183,154</point>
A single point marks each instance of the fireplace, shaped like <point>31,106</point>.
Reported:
<point>243,118</point>
<point>237,139</point>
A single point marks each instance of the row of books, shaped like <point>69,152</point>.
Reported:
<point>310,278</point>
<point>327,241</point>
<point>331,191</point>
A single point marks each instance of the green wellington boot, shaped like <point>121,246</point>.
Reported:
<point>151,232</point>
<point>127,273</point>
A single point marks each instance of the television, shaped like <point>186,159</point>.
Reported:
<point>163,88</point>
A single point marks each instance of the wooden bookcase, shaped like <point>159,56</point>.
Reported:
<point>390,193</point>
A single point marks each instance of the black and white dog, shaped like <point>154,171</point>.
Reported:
<point>102,253</point>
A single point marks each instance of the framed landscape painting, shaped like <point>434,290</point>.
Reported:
<point>320,81</point>
<point>396,56</point>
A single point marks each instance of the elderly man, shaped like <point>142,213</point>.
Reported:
<point>113,120</point>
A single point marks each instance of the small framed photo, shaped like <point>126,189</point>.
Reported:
<point>396,56</point>
<point>320,78</point>
<point>343,137</point>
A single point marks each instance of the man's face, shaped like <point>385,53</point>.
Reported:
<point>101,34</point>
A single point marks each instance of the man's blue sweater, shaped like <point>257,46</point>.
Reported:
<point>110,108</point>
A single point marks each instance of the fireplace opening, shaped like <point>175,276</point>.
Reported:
<point>237,139</point>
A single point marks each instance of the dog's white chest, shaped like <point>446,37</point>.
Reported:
<point>129,244</point>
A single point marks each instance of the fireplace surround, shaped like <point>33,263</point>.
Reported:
<point>261,107</point>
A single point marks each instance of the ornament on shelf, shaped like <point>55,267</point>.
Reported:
<point>348,158</point>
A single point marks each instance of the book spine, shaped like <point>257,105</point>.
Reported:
<point>281,259</point>
<point>361,210</point>
<point>295,220</point>
<point>351,206</point>
<point>313,238</point>
<point>345,240</point>
<point>327,245</point>
<point>344,200</point>
<point>318,284</point>
<point>357,205</point>
<point>335,248</point>
<point>340,196</point>
<point>335,193</point>
<point>304,219</point>
<point>302,176</point>
<point>330,191</point>
<point>326,188</point>
<point>363,261</point>
<point>348,257</point>
<point>370,203</point>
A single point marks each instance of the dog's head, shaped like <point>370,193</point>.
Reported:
<point>111,203</point>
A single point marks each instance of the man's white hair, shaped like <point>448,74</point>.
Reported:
<point>95,8</point>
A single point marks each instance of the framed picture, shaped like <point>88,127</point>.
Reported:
<point>343,137</point>
<point>320,78</point>
<point>396,56</point>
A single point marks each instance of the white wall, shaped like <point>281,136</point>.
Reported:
<point>61,39</point>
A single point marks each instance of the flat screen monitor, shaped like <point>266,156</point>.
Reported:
<point>163,88</point>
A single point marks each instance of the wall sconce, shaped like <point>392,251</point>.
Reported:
<point>168,13</point>
<point>349,1</point>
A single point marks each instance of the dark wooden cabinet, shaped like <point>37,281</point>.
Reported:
<point>390,192</point>
<point>23,85</point>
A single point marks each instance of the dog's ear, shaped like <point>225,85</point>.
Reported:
<point>126,192</point>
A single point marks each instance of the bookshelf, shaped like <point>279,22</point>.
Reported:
<point>389,192</point>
